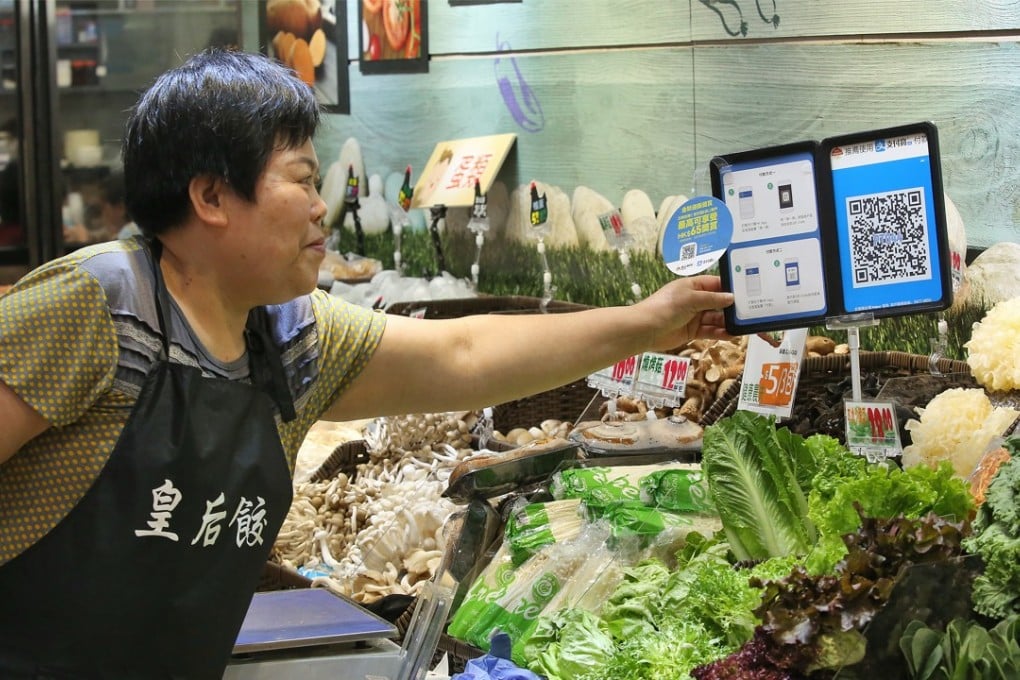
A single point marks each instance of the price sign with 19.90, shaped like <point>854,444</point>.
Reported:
<point>778,380</point>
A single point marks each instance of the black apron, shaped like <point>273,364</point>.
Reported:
<point>151,574</point>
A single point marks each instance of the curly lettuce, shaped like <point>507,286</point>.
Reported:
<point>881,492</point>
<point>996,538</point>
<point>568,644</point>
<point>630,610</point>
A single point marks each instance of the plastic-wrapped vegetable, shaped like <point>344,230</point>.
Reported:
<point>600,485</point>
<point>511,599</point>
<point>677,489</point>
<point>533,525</point>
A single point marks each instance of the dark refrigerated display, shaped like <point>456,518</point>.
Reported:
<point>69,71</point>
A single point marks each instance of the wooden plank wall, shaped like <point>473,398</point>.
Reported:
<point>622,94</point>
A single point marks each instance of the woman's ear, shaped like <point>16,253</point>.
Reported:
<point>207,194</point>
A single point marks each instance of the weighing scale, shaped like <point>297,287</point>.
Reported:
<point>313,634</point>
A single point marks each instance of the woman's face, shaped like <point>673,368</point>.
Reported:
<point>280,239</point>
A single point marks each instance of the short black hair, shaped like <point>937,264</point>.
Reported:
<point>221,113</point>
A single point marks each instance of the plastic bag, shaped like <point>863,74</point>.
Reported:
<point>496,664</point>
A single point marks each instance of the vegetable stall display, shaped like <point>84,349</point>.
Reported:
<point>778,555</point>
<point>794,551</point>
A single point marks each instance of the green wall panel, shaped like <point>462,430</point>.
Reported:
<point>609,120</point>
<point>758,95</point>
<point>565,24</point>
<point>641,93</point>
<point>770,19</point>
<point>547,24</point>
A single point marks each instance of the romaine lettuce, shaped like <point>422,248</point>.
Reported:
<point>755,480</point>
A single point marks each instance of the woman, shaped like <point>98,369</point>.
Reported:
<point>154,392</point>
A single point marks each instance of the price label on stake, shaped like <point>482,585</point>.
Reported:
<point>616,380</point>
<point>662,378</point>
<point>777,382</point>
<point>623,371</point>
<point>871,429</point>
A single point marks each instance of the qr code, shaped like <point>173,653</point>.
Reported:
<point>688,251</point>
<point>889,237</point>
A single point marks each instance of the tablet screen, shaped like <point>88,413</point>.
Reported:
<point>774,264</point>
<point>887,196</point>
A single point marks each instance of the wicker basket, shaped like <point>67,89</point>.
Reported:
<point>910,364</point>
<point>457,653</point>
<point>833,369</point>
<point>567,402</point>
<point>724,405</point>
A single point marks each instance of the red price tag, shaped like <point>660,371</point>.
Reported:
<point>674,371</point>
<point>776,385</point>
<point>624,370</point>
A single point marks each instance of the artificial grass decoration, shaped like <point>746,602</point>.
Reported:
<point>598,278</point>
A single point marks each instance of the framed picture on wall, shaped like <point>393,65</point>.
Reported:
<point>311,38</point>
<point>393,36</point>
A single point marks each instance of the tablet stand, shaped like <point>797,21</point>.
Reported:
<point>853,323</point>
<point>939,344</point>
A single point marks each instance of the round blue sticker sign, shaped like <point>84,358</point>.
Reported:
<point>696,235</point>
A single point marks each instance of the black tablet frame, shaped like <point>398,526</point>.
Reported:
<point>828,231</point>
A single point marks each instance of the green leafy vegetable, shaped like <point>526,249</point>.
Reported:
<point>964,650</point>
<point>672,653</point>
<point>709,590</point>
<point>630,610</point>
<point>568,644</point>
<point>997,540</point>
<point>814,623</point>
<point>756,487</point>
<point>884,493</point>
<point>703,611</point>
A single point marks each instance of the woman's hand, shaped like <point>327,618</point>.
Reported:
<point>685,309</point>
